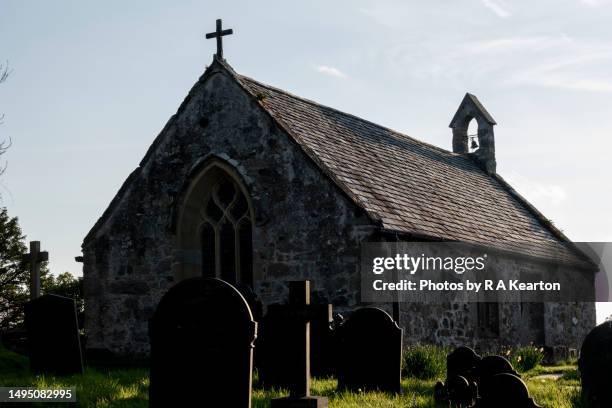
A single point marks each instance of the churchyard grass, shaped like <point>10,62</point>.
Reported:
<point>129,388</point>
<point>96,388</point>
<point>424,361</point>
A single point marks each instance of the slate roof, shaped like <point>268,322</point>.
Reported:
<point>411,187</point>
<point>408,187</point>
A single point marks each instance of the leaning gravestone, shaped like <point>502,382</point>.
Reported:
<point>53,335</point>
<point>202,336</point>
<point>370,352</point>
<point>595,366</point>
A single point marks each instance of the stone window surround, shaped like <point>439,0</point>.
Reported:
<point>187,260</point>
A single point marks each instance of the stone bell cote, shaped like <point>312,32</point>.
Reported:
<point>480,146</point>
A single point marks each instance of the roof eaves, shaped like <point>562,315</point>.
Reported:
<point>111,207</point>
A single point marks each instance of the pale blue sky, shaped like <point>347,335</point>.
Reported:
<point>94,82</point>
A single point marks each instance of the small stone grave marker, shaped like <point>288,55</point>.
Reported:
<point>595,366</point>
<point>370,352</point>
<point>53,335</point>
<point>202,336</point>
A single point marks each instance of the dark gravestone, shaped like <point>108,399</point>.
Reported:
<point>491,366</point>
<point>322,341</point>
<point>470,376</point>
<point>297,316</point>
<point>595,366</point>
<point>462,361</point>
<point>461,377</point>
<point>273,347</point>
<point>202,336</point>
<point>505,391</point>
<point>370,352</point>
<point>53,335</point>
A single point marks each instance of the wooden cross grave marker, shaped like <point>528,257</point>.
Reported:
<point>34,258</point>
<point>299,312</point>
<point>218,34</point>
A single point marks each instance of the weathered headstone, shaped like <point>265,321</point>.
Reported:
<point>297,356</point>
<point>370,352</point>
<point>595,366</point>
<point>505,391</point>
<point>202,337</point>
<point>53,335</point>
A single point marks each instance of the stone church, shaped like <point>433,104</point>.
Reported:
<point>257,186</point>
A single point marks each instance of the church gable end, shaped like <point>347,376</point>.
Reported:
<point>222,174</point>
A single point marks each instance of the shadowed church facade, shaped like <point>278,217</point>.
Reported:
<point>256,186</point>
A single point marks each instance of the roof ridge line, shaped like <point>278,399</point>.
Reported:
<point>373,215</point>
<point>315,103</point>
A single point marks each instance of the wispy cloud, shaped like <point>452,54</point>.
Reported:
<point>539,194</point>
<point>558,61</point>
<point>330,71</point>
<point>499,7</point>
<point>595,3</point>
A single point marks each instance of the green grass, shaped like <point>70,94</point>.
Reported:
<point>425,362</point>
<point>96,388</point>
<point>129,388</point>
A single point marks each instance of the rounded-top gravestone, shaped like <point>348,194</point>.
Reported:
<point>202,336</point>
<point>595,366</point>
<point>491,366</point>
<point>505,390</point>
<point>462,361</point>
<point>370,352</point>
<point>461,377</point>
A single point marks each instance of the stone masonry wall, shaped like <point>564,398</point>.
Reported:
<point>456,324</point>
<point>304,226</point>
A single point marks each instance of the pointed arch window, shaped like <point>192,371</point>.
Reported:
<point>226,234</point>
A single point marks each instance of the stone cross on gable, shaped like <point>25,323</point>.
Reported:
<point>299,312</point>
<point>34,258</point>
<point>218,34</point>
